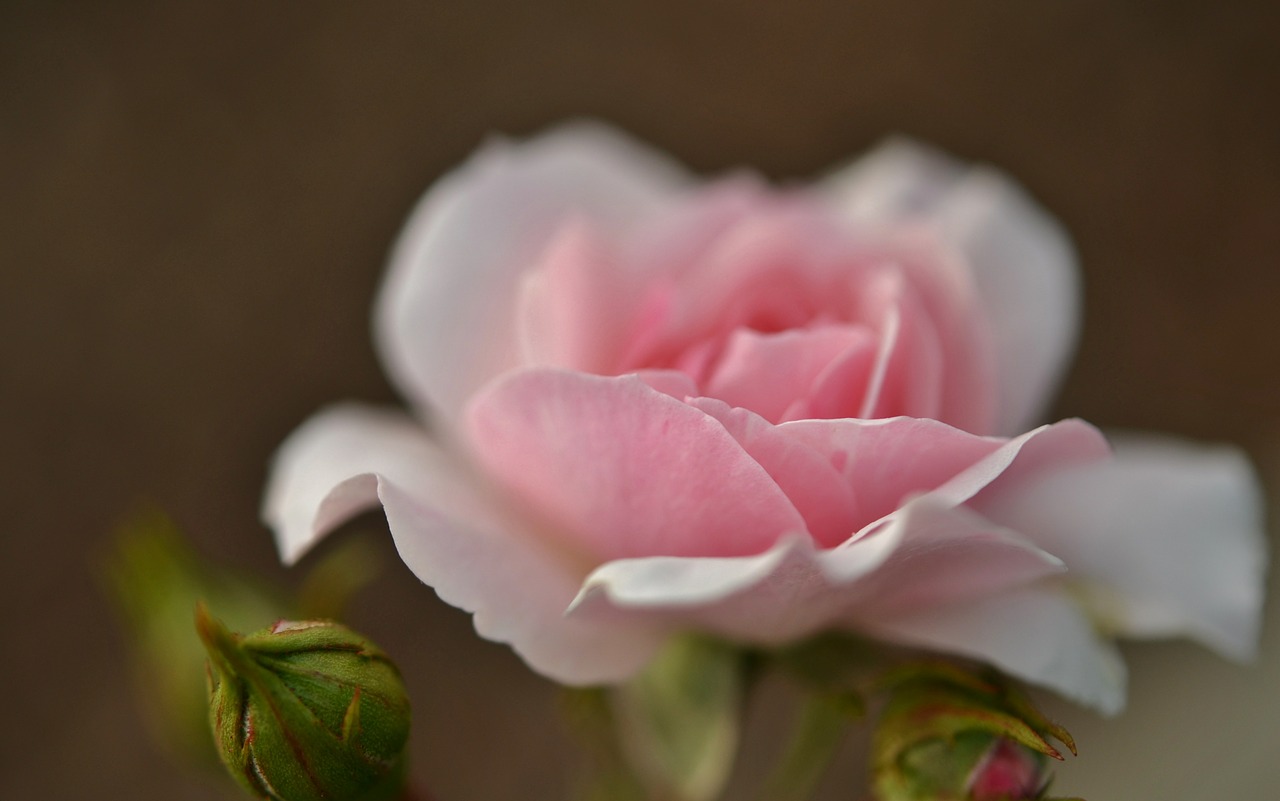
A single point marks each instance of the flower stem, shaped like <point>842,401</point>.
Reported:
<point>820,727</point>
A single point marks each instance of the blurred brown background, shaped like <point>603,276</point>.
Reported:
<point>195,203</point>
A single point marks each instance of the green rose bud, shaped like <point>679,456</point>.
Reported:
<point>306,711</point>
<point>951,735</point>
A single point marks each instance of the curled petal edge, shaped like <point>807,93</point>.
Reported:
<point>351,458</point>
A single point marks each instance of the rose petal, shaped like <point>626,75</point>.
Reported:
<point>578,305</point>
<point>816,489</point>
<point>1164,539</point>
<point>885,461</point>
<point>906,378</point>
<point>451,536</point>
<point>678,240</point>
<point>1034,633</point>
<point>519,591</point>
<point>1021,260</point>
<point>767,372</point>
<point>619,469</point>
<point>446,314</point>
<point>675,383</point>
<point>673,581</point>
<point>950,554</point>
<point>944,303</point>
<point>754,260</point>
<point>785,594</point>
<point>1050,448</point>
<point>794,590</point>
<point>325,472</point>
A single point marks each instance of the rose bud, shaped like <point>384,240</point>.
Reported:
<point>971,766</point>
<point>949,735</point>
<point>1008,771</point>
<point>306,711</point>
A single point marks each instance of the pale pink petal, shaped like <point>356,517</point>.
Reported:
<point>906,378</point>
<point>949,554</point>
<point>668,582</point>
<point>518,590</point>
<point>765,262</point>
<point>841,389</point>
<point>771,272</point>
<point>766,373</point>
<point>678,240</point>
<point>1022,263</point>
<point>900,179</point>
<point>884,462</point>
<point>446,314</point>
<point>1047,449</point>
<point>452,536</point>
<point>578,303</point>
<point>1027,276</point>
<point>324,473</point>
<point>1035,633</point>
<point>816,489</point>
<point>944,294</point>
<point>618,469</point>
<point>844,475</point>
<point>675,383</point>
<point>794,590</point>
<point>1164,539</point>
<point>785,594</point>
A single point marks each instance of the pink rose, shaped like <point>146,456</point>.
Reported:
<point>646,405</point>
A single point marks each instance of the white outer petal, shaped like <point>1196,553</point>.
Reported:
<point>326,471</point>
<point>453,537</point>
<point>1165,539</point>
<point>794,590</point>
<point>446,317</point>
<point>519,592</point>
<point>667,582</point>
<point>1022,261</point>
<point>1036,633</point>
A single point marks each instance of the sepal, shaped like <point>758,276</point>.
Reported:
<point>952,734</point>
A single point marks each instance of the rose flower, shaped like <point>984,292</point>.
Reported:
<point>644,405</point>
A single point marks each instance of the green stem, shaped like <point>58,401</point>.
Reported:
<point>819,730</point>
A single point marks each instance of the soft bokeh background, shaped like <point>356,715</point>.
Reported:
<point>195,203</point>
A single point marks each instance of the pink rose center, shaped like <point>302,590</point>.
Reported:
<point>787,319</point>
